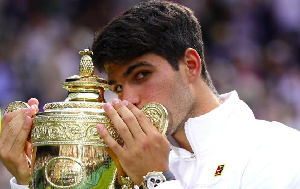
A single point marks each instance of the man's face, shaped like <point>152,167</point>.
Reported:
<point>150,78</point>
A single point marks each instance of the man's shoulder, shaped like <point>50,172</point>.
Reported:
<point>259,136</point>
<point>274,131</point>
<point>263,128</point>
<point>275,158</point>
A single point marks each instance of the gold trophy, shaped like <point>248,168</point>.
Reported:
<point>67,150</point>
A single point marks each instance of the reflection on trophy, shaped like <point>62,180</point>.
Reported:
<point>67,150</point>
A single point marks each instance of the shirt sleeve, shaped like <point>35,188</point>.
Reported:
<point>172,184</point>
<point>14,185</point>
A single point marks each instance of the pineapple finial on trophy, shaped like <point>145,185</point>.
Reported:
<point>86,67</point>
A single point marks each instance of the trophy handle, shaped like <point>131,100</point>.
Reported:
<point>158,115</point>
<point>16,105</point>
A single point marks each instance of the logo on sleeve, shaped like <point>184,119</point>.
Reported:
<point>219,170</point>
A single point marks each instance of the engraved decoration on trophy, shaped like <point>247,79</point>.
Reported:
<point>67,150</point>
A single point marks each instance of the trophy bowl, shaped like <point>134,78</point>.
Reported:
<point>67,149</point>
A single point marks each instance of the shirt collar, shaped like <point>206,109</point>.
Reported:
<point>205,131</point>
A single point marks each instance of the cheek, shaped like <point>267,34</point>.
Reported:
<point>160,89</point>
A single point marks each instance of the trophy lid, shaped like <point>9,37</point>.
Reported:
<point>83,88</point>
<point>86,81</point>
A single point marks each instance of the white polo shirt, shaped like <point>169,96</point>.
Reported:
<point>234,150</point>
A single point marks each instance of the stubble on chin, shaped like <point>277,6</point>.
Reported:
<point>173,129</point>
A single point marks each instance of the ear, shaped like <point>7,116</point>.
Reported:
<point>192,62</point>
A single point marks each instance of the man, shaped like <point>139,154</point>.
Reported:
<point>154,53</point>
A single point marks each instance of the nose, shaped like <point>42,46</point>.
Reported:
<point>131,94</point>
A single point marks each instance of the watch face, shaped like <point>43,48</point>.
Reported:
<point>154,179</point>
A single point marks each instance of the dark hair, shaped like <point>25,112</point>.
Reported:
<point>164,28</point>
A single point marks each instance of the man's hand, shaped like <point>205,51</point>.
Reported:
<point>14,146</point>
<point>144,149</point>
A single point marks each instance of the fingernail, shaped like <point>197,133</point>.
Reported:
<point>107,106</point>
<point>125,102</point>
<point>116,101</point>
<point>100,127</point>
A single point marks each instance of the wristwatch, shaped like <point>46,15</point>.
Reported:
<point>153,179</point>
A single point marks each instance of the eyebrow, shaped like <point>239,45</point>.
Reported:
<point>130,69</point>
<point>133,67</point>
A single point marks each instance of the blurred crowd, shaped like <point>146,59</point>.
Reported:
<point>251,46</point>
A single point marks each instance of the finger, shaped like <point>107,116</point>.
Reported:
<point>35,103</point>
<point>109,140</point>
<point>18,145</point>
<point>7,123</point>
<point>146,125</point>
<point>9,116</point>
<point>118,123</point>
<point>128,117</point>
<point>16,132</point>
<point>15,139</point>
